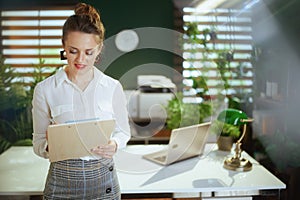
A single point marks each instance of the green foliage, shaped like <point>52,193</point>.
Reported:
<point>223,63</point>
<point>15,121</point>
<point>182,114</point>
<point>223,59</point>
<point>15,107</point>
<point>199,84</point>
<point>192,31</point>
<point>193,34</point>
<point>224,129</point>
<point>25,142</point>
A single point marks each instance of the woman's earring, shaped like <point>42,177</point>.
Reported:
<point>63,55</point>
<point>97,60</point>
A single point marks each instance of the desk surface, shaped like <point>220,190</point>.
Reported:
<point>24,173</point>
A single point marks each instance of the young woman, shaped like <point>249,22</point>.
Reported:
<point>76,92</point>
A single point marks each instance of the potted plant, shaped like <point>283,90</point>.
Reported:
<point>227,126</point>
<point>226,134</point>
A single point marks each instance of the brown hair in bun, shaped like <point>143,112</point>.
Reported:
<point>84,9</point>
<point>86,19</point>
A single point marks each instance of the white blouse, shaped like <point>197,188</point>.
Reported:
<point>58,99</point>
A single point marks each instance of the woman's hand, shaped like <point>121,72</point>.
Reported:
<point>106,151</point>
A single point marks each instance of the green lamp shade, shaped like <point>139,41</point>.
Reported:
<point>232,116</point>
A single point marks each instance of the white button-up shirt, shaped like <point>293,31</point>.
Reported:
<point>58,99</point>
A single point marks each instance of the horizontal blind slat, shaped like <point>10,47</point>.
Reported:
<point>31,46</point>
<point>33,56</point>
<point>31,36</point>
<point>32,65</point>
<point>214,14</point>
<point>26,18</point>
<point>234,32</point>
<point>31,28</point>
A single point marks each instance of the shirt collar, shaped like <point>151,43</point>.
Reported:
<point>61,76</point>
<point>99,76</point>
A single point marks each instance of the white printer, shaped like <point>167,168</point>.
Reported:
<point>150,98</point>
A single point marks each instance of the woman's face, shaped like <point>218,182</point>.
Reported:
<point>81,50</point>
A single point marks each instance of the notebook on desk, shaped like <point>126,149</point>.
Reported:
<point>76,139</point>
<point>184,143</point>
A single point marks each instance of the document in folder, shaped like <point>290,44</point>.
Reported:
<point>76,139</point>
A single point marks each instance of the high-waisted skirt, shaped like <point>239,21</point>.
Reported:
<point>82,179</point>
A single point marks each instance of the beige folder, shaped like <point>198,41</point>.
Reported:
<point>75,140</point>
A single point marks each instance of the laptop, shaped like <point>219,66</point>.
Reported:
<point>184,143</point>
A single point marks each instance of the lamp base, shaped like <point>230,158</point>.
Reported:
<point>238,164</point>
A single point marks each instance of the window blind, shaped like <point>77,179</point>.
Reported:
<point>31,38</point>
<point>233,34</point>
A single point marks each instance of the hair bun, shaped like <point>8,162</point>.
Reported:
<point>85,9</point>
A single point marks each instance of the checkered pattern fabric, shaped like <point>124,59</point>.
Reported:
<point>82,179</point>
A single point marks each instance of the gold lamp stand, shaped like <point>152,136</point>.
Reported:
<point>237,163</point>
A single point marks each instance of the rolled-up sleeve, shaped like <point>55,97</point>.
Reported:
<point>40,117</point>
<point>121,133</point>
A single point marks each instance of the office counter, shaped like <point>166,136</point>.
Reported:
<point>24,173</point>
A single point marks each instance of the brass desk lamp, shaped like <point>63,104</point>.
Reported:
<point>237,118</point>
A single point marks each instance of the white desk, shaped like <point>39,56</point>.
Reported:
<point>24,173</point>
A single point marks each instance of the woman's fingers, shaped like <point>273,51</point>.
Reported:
<point>106,151</point>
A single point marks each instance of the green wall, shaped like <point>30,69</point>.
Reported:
<point>118,15</point>
<point>128,14</point>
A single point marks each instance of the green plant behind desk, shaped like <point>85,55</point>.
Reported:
<point>224,129</point>
<point>204,41</point>
<point>182,114</point>
<point>15,124</point>
<point>15,106</point>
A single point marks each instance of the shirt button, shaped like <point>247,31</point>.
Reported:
<point>108,190</point>
<point>111,168</point>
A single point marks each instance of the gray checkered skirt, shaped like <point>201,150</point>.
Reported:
<point>82,179</point>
